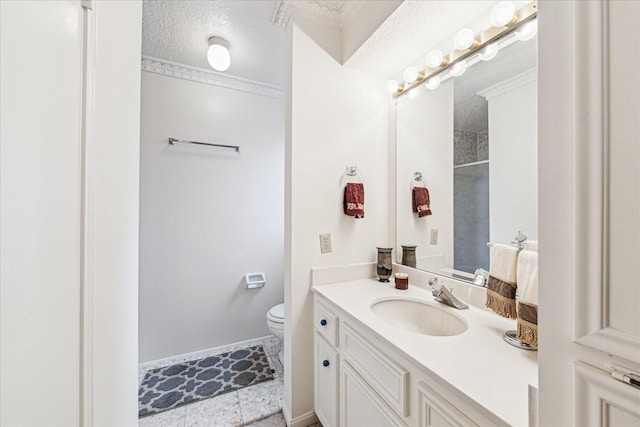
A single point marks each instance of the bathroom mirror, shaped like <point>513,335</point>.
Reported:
<point>474,142</point>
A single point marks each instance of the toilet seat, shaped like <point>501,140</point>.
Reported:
<point>276,314</point>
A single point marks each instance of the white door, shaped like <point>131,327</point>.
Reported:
<point>69,147</point>
<point>41,159</point>
<point>589,118</point>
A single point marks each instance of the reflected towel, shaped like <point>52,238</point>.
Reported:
<point>527,275</point>
<point>354,199</point>
<point>420,201</point>
<point>501,287</point>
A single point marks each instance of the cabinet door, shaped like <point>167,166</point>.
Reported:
<point>435,411</point>
<point>360,405</point>
<point>386,377</point>
<point>326,382</point>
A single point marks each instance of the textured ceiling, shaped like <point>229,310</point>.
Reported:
<point>415,27</point>
<point>336,13</point>
<point>178,31</point>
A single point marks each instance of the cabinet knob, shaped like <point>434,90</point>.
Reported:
<point>325,363</point>
<point>323,322</point>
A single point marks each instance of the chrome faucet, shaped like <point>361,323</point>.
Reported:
<point>445,295</point>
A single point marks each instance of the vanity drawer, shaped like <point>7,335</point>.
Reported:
<point>326,323</point>
<point>386,377</point>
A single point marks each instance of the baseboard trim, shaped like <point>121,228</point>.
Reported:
<point>286,413</point>
<point>303,420</point>
<point>168,361</point>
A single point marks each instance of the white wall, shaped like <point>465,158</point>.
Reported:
<point>113,170</point>
<point>336,117</point>
<point>513,169</point>
<point>69,216</point>
<point>208,216</point>
<point>425,144</point>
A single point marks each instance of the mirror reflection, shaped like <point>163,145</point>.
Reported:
<point>473,142</point>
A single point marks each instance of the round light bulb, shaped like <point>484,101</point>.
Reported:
<point>218,54</point>
<point>433,83</point>
<point>410,75</point>
<point>413,93</point>
<point>464,39</point>
<point>458,68</point>
<point>391,86</point>
<point>502,14</point>
<point>527,31</point>
<point>435,58</point>
<point>489,52</point>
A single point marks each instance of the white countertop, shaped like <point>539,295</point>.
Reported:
<point>478,363</point>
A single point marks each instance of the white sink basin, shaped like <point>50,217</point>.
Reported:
<point>419,317</point>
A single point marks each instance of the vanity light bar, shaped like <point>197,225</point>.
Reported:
<point>525,14</point>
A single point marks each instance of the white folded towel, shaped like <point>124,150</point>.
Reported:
<point>501,287</point>
<point>531,245</point>
<point>504,262</point>
<point>528,298</point>
<point>528,276</point>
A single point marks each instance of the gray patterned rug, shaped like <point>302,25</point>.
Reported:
<point>172,386</point>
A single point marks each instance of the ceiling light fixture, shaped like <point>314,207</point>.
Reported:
<point>218,54</point>
<point>508,25</point>
<point>464,39</point>
<point>391,86</point>
<point>527,31</point>
<point>502,14</point>
<point>458,68</point>
<point>435,58</point>
<point>433,83</point>
<point>489,52</point>
<point>410,75</point>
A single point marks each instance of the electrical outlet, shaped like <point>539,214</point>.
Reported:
<point>325,243</point>
<point>434,236</point>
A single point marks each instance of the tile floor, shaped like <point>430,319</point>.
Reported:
<point>259,405</point>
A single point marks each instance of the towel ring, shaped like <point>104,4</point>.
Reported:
<point>352,174</point>
<point>417,179</point>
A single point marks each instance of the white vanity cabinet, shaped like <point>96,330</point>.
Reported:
<point>434,410</point>
<point>360,405</point>
<point>327,364</point>
<point>363,381</point>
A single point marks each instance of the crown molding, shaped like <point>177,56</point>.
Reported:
<point>282,14</point>
<point>194,74</point>
<point>510,84</point>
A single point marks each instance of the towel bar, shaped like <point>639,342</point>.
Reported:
<point>172,141</point>
<point>519,241</point>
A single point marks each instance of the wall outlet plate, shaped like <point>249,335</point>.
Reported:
<point>434,236</point>
<point>325,243</point>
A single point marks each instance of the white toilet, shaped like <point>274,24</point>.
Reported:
<point>275,323</point>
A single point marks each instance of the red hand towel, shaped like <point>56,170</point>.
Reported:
<point>421,202</point>
<point>354,199</point>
